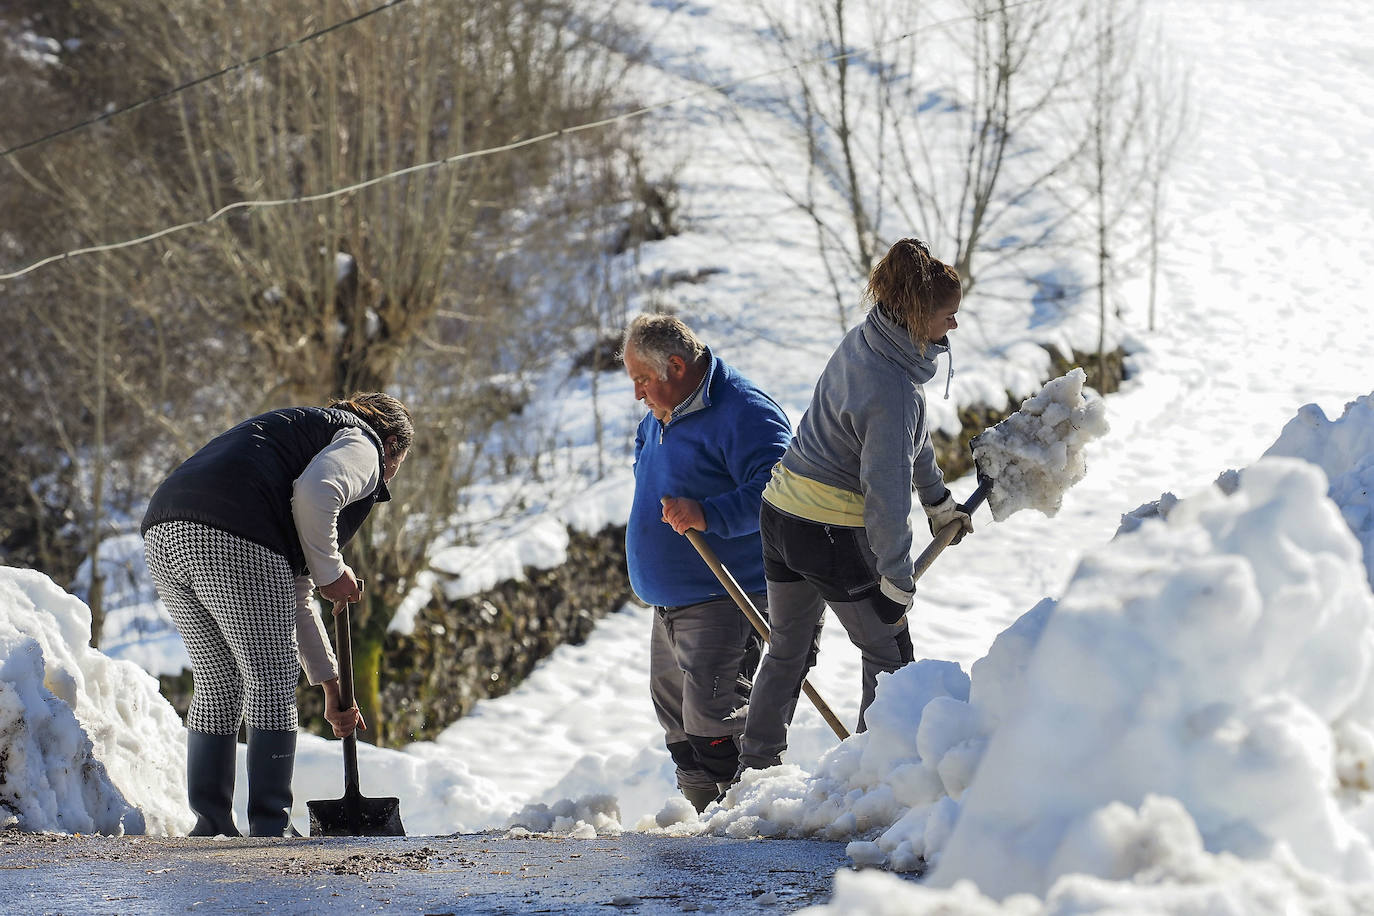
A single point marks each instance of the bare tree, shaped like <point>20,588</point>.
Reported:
<point>1113,118</point>
<point>1018,65</point>
<point>913,124</point>
<point>101,349</point>
<point>826,110</point>
<point>1168,121</point>
<point>404,285</point>
<point>1136,118</point>
<point>992,129</point>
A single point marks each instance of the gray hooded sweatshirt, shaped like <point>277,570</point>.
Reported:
<point>866,432</point>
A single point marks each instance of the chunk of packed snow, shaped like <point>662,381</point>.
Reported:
<point>582,818</point>
<point>675,810</point>
<point>1036,454</point>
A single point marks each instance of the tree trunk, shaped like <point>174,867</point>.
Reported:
<point>96,597</point>
<point>367,666</point>
<point>1154,245</point>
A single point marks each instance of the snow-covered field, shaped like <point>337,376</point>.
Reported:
<point>1178,718</point>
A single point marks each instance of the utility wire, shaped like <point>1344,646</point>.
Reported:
<point>475,154</point>
<point>167,94</point>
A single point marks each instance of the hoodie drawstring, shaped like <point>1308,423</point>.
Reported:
<point>949,351</point>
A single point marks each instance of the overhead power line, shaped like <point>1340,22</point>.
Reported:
<point>474,154</point>
<point>167,94</point>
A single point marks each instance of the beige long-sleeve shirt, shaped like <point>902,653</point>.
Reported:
<point>312,644</point>
<point>343,472</point>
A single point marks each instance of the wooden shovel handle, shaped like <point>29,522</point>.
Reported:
<point>344,647</point>
<point>947,533</point>
<point>761,625</point>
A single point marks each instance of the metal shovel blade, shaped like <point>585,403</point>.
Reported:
<point>354,815</point>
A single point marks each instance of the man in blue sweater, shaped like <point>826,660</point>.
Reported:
<point>703,454</point>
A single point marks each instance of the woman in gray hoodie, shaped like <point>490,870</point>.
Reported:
<point>836,512</point>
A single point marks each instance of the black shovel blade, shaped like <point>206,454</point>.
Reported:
<point>354,815</point>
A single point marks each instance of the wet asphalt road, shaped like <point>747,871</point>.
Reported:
<point>466,873</point>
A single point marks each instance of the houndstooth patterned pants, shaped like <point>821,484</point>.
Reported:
<point>233,602</point>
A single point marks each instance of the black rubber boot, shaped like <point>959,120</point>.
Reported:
<point>700,797</point>
<point>271,764</point>
<point>717,756</point>
<point>211,761</point>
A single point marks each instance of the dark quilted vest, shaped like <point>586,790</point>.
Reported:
<point>241,481</point>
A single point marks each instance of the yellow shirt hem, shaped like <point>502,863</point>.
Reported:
<point>812,500</point>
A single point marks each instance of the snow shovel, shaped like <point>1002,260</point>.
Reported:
<point>761,625</point>
<point>1032,456</point>
<point>946,534</point>
<point>352,815</point>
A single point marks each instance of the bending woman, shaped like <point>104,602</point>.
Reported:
<point>835,518</point>
<point>235,539</point>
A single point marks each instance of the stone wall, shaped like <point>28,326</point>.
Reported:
<point>483,646</point>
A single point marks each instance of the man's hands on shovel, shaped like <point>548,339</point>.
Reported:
<point>683,514</point>
<point>343,721</point>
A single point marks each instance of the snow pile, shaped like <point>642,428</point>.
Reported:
<point>87,744</point>
<point>1214,658</point>
<point>1036,454</point>
<point>897,787</point>
<point>1344,449</point>
<point>1191,726</point>
<point>1193,882</point>
<point>544,544</point>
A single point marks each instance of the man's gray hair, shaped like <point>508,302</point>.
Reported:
<point>655,338</point>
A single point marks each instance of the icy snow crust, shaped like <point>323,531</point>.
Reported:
<point>1036,454</point>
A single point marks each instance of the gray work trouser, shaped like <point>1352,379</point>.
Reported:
<point>810,565</point>
<point>701,662</point>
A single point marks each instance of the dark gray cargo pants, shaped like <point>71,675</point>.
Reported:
<point>810,565</point>
<point>701,664</point>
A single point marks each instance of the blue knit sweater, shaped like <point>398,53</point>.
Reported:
<point>718,449</point>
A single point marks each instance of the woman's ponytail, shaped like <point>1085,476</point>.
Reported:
<point>909,285</point>
<point>386,415</point>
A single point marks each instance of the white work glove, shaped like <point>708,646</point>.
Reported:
<point>892,601</point>
<point>946,511</point>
